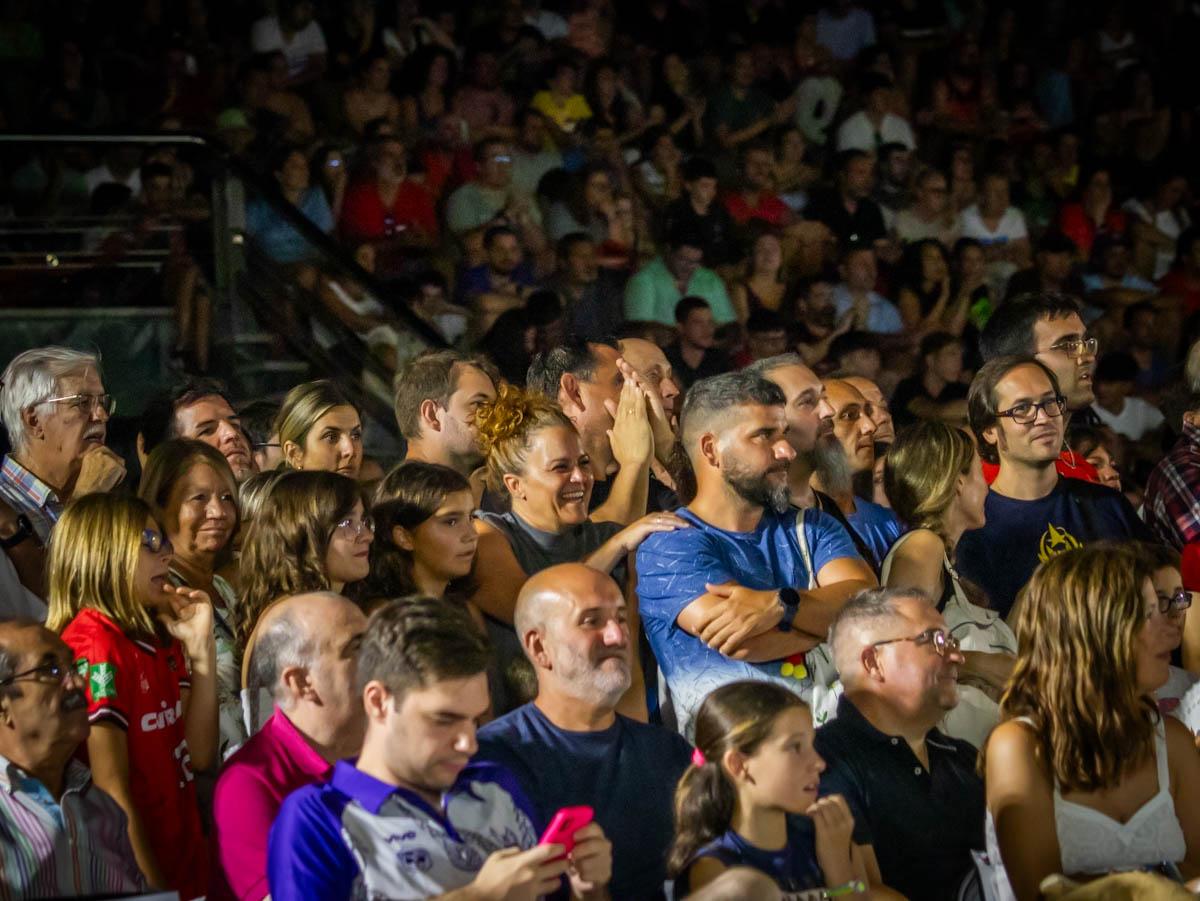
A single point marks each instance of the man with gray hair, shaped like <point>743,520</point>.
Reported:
<point>60,835</point>
<point>56,414</point>
<point>303,653</point>
<point>569,746</point>
<point>917,799</point>
<point>751,589</point>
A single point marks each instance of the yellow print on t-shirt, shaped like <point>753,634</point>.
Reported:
<point>1056,540</point>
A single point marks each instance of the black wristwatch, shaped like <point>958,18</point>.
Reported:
<point>790,599</point>
<point>24,530</point>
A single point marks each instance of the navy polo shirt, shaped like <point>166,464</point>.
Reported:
<point>923,823</point>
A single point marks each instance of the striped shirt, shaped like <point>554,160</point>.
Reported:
<point>28,494</point>
<point>78,845</point>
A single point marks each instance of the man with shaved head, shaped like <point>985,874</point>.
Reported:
<point>915,794</point>
<point>303,655</point>
<point>751,588</point>
<point>60,835</point>
<point>569,746</point>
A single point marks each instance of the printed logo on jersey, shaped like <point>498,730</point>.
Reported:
<point>103,680</point>
<point>81,667</point>
<point>168,716</point>
<point>1055,541</point>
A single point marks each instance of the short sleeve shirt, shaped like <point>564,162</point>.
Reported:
<point>673,568</point>
<point>358,837</point>
<point>138,687</point>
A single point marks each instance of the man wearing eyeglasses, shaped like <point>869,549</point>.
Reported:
<point>56,414</point>
<point>60,835</point>
<point>1050,328</point>
<point>1017,414</point>
<point>917,799</point>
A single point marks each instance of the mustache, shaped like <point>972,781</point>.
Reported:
<point>73,700</point>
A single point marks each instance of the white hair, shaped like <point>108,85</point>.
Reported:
<point>32,378</point>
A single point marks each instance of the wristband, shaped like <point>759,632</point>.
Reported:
<point>853,887</point>
<point>789,598</point>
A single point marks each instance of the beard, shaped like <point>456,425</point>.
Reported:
<point>596,683</point>
<point>756,487</point>
<point>831,466</point>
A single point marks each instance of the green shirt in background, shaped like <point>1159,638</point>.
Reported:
<point>651,295</point>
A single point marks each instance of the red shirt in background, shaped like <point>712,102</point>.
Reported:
<point>769,208</point>
<point>365,218</point>
<point>1079,227</point>
<point>1069,465</point>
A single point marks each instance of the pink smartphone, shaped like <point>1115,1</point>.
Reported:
<point>565,824</point>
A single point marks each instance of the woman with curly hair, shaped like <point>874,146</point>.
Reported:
<point>311,534</point>
<point>1084,776</point>
<point>535,459</point>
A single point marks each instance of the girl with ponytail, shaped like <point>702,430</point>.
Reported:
<point>749,799</point>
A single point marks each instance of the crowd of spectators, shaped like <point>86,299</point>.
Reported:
<point>806,502</point>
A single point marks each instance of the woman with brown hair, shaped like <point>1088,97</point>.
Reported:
<point>1084,776</point>
<point>311,534</point>
<point>934,480</point>
<point>192,492</point>
<point>319,429</point>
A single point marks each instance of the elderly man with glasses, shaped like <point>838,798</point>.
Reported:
<point>917,800</point>
<point>56,414</point>
<point>1016,409</point>
<point>60,835</point>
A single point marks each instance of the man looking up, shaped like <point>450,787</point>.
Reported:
<point>56,414</point>
<point>437,395</point>
<point>917,800</point>
<point>569,746</point>
<point>741,580</point>
<point>1033,514</point>
<point>197,409</point>
<point>304,650</point>
<point>411,817</point>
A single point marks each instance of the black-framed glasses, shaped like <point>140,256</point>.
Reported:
<point>156,542</point>
<point>1074,347</point>
<point>352,528</point>
<point>86,403</point>
<point>52,670</point>
<point>1174,603</point>
<point>942,642</point>
<point>1026,412</point>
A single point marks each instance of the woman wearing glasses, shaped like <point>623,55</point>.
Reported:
<point>192,492</point>
<point>147,651</point>
<point>1085,776</point>
<point>935,483</point>
<point>319,428</point>
<point>1168,587</point>
<point>311,534</point>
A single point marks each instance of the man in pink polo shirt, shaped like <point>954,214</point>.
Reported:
<point>304,653</point>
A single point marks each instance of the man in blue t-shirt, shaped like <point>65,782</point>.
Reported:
<point>411,817</point>
<point>1033,514</point>
<point>753,577</point>
<point>570,746</point>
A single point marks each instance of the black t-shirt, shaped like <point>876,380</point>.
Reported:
<point>863,226</point>
<point>913,388</point>
<point>713,363</point>
<point>715,227</point>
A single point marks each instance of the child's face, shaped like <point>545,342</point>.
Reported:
<point>786,768</point>
<point>1167,583</point>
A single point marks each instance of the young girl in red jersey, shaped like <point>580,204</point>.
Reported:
<point>147,652</point>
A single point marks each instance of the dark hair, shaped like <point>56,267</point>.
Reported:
<point>1083,439</point>
<point>738,716</point>
<point>1116,366</point>
<point>935,342</point>
<point>431,376</point>
<point>258,420</point>
<point>685,234</point>
<point>1178,401</point>
<point>157,422</point>
<point>408,496</point>
<point>1009,331</point>
<point>416,641</point>
<point>1137,309</point>
<point>844,345</point>
<point>764,320</point>
<point>698,167</point>
<point>719,394</point>
<point>689,305</point>
<point>497,231</point>
<point>482,145</point>
<point>981,397</point>
<point>568,242</point>
<point>575,355</point>
<point>1054,241</point>
<point>1183,245</point>
<point>154,170</point>
<point>846,157</point>
<point>912,265</point>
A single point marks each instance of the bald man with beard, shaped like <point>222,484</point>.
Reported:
<point>303,653</point>
<point>569,746</point>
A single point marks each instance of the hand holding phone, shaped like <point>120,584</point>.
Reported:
<point>565,824</point>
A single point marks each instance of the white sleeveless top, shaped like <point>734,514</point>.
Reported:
<point>1092,842</point>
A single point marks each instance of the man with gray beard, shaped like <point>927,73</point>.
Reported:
<point>752,587</point>
<point>569,746</point>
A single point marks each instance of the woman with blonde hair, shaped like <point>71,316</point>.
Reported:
<point>1084,776</point>
<point>934,481</point>
<point>311,534</point>
<point>192,492</point>
<point>147,651</point>
<point>535,460</point>
<point>319,429</point>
